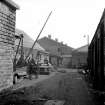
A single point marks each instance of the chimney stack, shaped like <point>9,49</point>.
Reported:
<point>49,36</point>
<point>62,42</point>
<point>56,39</point>
<point>66,44</point>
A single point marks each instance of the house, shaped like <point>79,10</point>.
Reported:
<point>79,56</point>
<point>38,52</point>
<point>57,50</point>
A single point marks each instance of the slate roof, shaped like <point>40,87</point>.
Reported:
<point>82,49</point>
<point>53,46</point>
<point>27,41</point>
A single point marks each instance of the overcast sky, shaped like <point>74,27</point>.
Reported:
<point>69,22</point>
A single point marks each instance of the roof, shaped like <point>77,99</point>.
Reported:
<point>27,41</point>
<point>11,3</point>
<point>82,49</point>
<point>54,47</point>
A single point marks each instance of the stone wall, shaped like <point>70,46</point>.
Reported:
<point>7,30</point>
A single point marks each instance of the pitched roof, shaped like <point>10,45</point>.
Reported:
<point>54,46</point>
<point>11,3</point>
<point>82,49</point>
<point>27,41</point>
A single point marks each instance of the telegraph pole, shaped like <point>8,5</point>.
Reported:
<point>88,40</point>
<point>87,36</point>
<point>38,35</point>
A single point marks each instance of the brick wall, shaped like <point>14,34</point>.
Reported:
<point>79,59</point>
<point>7,30</point>
<point>66,62</point>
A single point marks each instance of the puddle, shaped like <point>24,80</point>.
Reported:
<point>79,78</point>
<point>54,102</point>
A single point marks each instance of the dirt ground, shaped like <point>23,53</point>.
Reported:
<point>67,86</point>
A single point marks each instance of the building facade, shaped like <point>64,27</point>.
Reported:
<point>7,32</point>
<point>57,51</point>
<point>79,56</point>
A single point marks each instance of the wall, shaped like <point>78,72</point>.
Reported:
<point>7,29</point>
<point>66,62</point>
<point>55,60</point>
<point>96,55</point>
<point>79,59</point>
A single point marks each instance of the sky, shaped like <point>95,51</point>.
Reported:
<point>69,22</point>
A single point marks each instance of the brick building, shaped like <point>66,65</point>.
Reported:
<point>7,31</point>
<point>79,56</point>
<point>58,51</point>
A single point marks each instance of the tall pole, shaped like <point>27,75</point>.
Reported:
<point>88,40</point>
<point>38,36</point>
<point>87,36</point>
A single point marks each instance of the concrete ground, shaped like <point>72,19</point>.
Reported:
<point>68,86</point>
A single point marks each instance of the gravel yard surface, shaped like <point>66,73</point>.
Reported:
<point>69,87</point>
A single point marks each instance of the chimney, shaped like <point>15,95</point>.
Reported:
<point>56,39</point>
<point>65,44</point>
<point>62,42</point>
<point>49,36</point>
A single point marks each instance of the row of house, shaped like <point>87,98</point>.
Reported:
<point>60,53</point>
<point>45,48</point>
<point>63,55</point>
<point>57,53</point>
